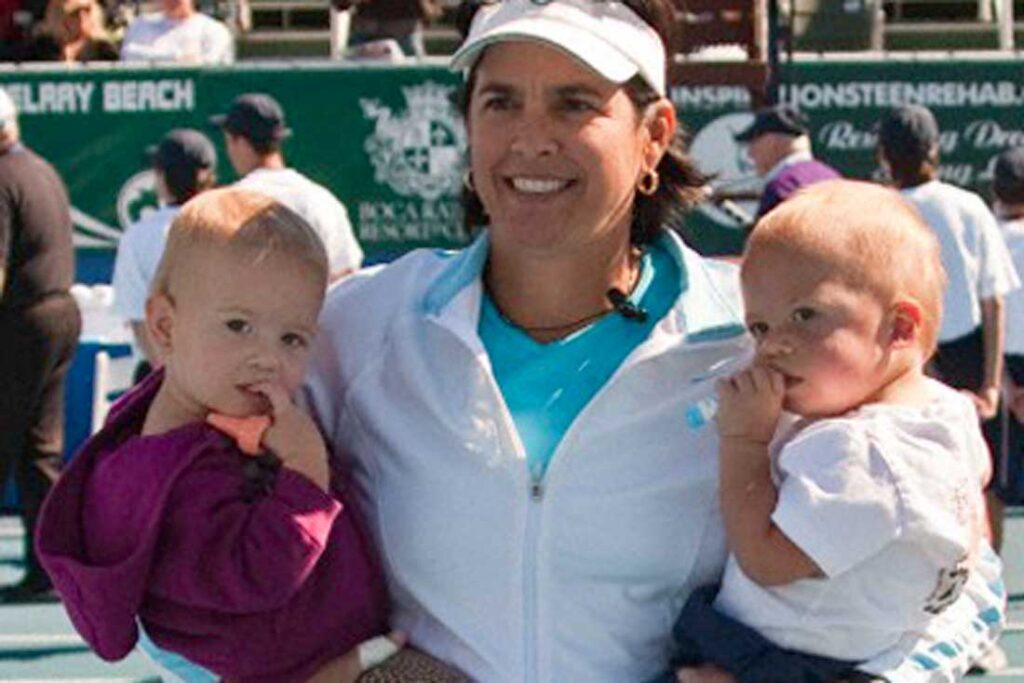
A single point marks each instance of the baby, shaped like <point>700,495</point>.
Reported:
<point>230,544</point>
<point>850,483</point>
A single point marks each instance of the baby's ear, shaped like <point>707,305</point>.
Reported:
<point>160,321</point>
<point>906,319</point>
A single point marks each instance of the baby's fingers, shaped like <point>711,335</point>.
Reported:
<point>776,382</point>
<point>724,387</point>
<point>279,399</point>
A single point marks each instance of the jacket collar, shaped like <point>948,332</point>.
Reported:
<point>707,309</point>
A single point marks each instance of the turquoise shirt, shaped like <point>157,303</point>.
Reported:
<point>545,386</point>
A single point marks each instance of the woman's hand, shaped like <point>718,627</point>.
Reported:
<point>986,402</point>
<point>293,437</point>
<point>749,404</point>
<point>705,673</point>
<point>354,663</point>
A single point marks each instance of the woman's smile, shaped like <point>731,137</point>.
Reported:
<point>538,186</point>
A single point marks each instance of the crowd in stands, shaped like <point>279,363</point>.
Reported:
<point>180,31</point>
<point>91,31</point>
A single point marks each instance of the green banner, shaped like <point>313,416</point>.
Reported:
<point>389,142</point>
<point>978,104</point>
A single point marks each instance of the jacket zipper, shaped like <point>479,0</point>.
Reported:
<point>535,497</point>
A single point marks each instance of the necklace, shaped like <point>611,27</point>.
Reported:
<point>578,322</point>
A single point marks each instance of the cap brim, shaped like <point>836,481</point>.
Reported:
<point>747,134</point>
<point>580,44</point>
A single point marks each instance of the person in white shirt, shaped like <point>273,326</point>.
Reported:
<point>254,129</point>
<point>178,33</point>
<point>978,266</point>
<point>184,164</point>
<point>850,482</point>
<point>1008,188</point>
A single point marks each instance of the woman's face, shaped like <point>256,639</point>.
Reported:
<point>78,22</point>
<point>556,150</point>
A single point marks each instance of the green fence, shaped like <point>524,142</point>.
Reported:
<point>388,140</point>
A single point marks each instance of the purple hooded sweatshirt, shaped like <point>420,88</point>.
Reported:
<point>158,528</point>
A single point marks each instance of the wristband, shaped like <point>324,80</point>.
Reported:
<point>375,652</point>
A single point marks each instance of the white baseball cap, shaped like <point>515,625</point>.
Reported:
<point>8,112</point>
<point>605,35</point>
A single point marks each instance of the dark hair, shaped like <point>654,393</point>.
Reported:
<point>680,179</point>
<point>183,183</point>
<point>264,147</point>
<point>1008,176</point>
<point>912,169</point>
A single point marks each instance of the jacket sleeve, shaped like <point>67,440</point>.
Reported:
<point>221,550</point>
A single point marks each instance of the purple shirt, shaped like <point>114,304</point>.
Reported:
<point>790,179</point>
<point>165,529</point>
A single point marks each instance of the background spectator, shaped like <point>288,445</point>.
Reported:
<point>779,145</point>
<point>10,31</point>
<point>39,327</point>
<point>71,31</point>
<point>178,33</point>
<point>184,164</point>
<point>978,266</point>
<point>1008,187</point>
<point>254,130</point>
<point>401,20</point>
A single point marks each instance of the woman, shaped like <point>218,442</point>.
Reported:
<point>71,31</point>
<point>528,420</point>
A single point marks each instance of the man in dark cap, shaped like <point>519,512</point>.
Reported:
<point>779,144</point>
<point>401,20</point>
<point>979,270</point>
<point>39,328</point>
<point>254,130</point>
<point>184,164</point>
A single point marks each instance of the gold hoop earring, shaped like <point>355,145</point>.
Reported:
<point>467,181</point>
<point>649,182</point>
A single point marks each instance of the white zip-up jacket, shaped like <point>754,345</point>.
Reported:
<point>575,579</point>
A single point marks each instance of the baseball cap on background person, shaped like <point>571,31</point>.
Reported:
<point>607,37</point>
<point>1008,176</point>
<point>182,148</point>
<point>908,132</point>
<point>778,119</point>
<point>184,156</point>
<point>255,116</point>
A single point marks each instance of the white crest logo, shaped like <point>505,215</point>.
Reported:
<point>136,198</point>
<point>718,153</point>
<point>418,153</point>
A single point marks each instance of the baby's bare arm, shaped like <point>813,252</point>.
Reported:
<point>750,404</point>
